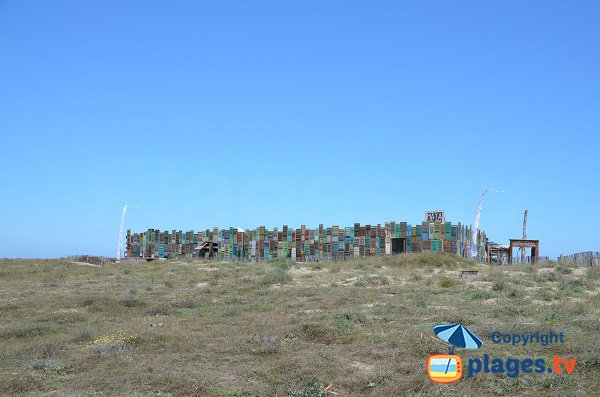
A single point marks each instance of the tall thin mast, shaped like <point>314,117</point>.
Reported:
<point>524,236</point>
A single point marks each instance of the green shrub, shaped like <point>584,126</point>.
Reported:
<point>590,361</point>
<point>546,294</point>
<point>354,316</point>
<point>531,269</point>
<point>552,277</point>
<point>185,303</point>
<point>265,344</point>
<point>276,276</point>
<point>232,312</point>
<point>576,286</point>
<point>416,276</point>
<point>564,270</point>
<point>48,366</point>
<point>28,330</point>
<point>82,336</point>
<point>446,282</point>
<point>421,303</point>
<point>315,332</point>
<point>67,319</point>
<point>284,264</point>
<point>344,326</point>
<point>132,302</point>
<point>50,349</point>
<point>372,281</point>
<point>377,379</point>
<point>315,389</point>
<point>594,273</point>
<point>113,342</point>
<point>552,319</point>
<point>498,285</point>
<point>477,294</point>
<point>513,293</point>
<point>161,309</point>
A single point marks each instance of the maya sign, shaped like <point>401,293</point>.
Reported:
<point>435,216</point>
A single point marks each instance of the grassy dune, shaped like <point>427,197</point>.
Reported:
<point>357,328</point>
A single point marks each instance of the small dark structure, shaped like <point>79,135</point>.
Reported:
<point>92,260</point>
<point>207,249</point>
<point>498,253</point>
<point>398,245</point>
<point>523,244</point>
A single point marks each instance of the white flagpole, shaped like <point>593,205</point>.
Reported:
<point>120,243</point>
<point>475,227</point>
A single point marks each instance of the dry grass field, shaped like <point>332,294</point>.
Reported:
<point>355,328</point>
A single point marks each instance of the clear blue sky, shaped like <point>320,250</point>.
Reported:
<point>248,113</point>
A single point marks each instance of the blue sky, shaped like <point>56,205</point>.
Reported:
<point>249,113</point>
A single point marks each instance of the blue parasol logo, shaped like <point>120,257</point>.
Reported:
<point>458,336</point>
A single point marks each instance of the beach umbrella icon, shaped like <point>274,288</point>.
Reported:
<point>458,336</point>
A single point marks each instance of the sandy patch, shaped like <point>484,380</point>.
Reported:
<point>544,270</point>
<point>310,311</point>
<point>580,271</point>
<point>514,273</point>
<point>575,300</point>
<point>483,285</point>
<point>304,270</point>
<point>349,280</point>
<point>85,264</point>
<point>206,267</point>
<point>66,311</point>
<point>372,305</point>
<point>363,367</point>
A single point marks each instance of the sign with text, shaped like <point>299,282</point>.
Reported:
<point>435,216</point>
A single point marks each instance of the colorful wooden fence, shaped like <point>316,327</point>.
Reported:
<point>305,244</point>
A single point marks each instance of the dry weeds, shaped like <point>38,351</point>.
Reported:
<point>357,328</point>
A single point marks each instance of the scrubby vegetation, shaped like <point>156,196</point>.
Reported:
<point>356,328</point>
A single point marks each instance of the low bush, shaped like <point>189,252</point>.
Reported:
<point>446,282</point>
<point>276,276</point>
<point>113,342</point>
<point>185,303</point>
<point>132,302</point>
<point>160,309</point>
<point>372,281</point>
<point>498,285</point>
<point>48,366</point>
<point>315,389</point>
